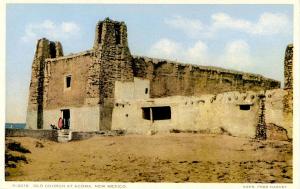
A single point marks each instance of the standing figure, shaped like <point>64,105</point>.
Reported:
<point>60,123</point>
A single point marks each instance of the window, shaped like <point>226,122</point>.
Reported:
<point>99,32</point>
<point>146,113</point>
<point>52,50</point>
<point>161,113</point>
<point>68,81</point>
<point>245,107</point>
<point>146,90</point>
<point>118,34</point>
<point>157,113</point>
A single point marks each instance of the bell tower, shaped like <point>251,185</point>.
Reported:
<point>44,49</point>
<point>112,62</point>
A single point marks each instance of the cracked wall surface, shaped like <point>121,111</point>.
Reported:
<point>169,78</point>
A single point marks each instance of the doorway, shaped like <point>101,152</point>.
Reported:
<point>66,118</point>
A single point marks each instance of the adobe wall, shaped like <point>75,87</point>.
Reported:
<point>169,78</point>
<point>210,113</point>
<point>138,89</point>
<point>85,118</point>
<point>84,112</point>
<point>39,134</point>
<point>275,112</point>
<point>56,93</point>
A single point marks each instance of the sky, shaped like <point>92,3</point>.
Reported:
<point>249,38</point>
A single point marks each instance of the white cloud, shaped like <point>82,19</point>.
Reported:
<point>235,55</point>
<point>270,23</point>
<point>190,26</point>
<point>168,49</point>
<point>69,27</point>
<point>224,21</point>
<point>51,30</point>
<point>197,53</point>
<point>267,24</point>
<point>165,48</point>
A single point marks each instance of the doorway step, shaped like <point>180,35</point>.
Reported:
<point>64,135</point>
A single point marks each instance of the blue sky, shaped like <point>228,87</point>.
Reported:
<point>250,38</point>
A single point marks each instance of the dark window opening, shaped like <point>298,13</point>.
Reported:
<point>146,113</point>
<point>52,50</point>
<point>161,113</point>
<point>68,81</point>
<point>66,118</point>
<point>118,34</point>
<point>245,107</point>
<point>158,113</point>
<point>146,91</point>
<point>99,32</point>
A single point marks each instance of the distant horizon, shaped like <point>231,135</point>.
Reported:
<point>246,38</point>
<point>15,122</point>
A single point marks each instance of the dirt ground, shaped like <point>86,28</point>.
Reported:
<point>178,157</point>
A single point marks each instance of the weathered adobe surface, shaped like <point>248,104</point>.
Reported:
<point>44,49</point>
<point>288,79</point>
<point>113,56</point>
<point>275,132</point>
<point>112,62</point>
<point>54,86</point>
<point>167,78</point>
<point>171,78</point>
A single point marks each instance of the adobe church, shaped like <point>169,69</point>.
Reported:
<point>107,88</point>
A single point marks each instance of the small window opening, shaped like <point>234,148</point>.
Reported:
<point>245,107</point>
<point>118,34</point>
<point>99,32</point>
<point>158,113</point>
<point>146,90</point>
<point>52,50</point>
<point>161,113</point>
<point>68,81</point>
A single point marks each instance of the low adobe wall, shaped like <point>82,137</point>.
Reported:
<point>40,134</point>
<point>82,135</point>
<point>53,134</point>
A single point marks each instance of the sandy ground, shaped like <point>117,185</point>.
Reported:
<point>159,158</point>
